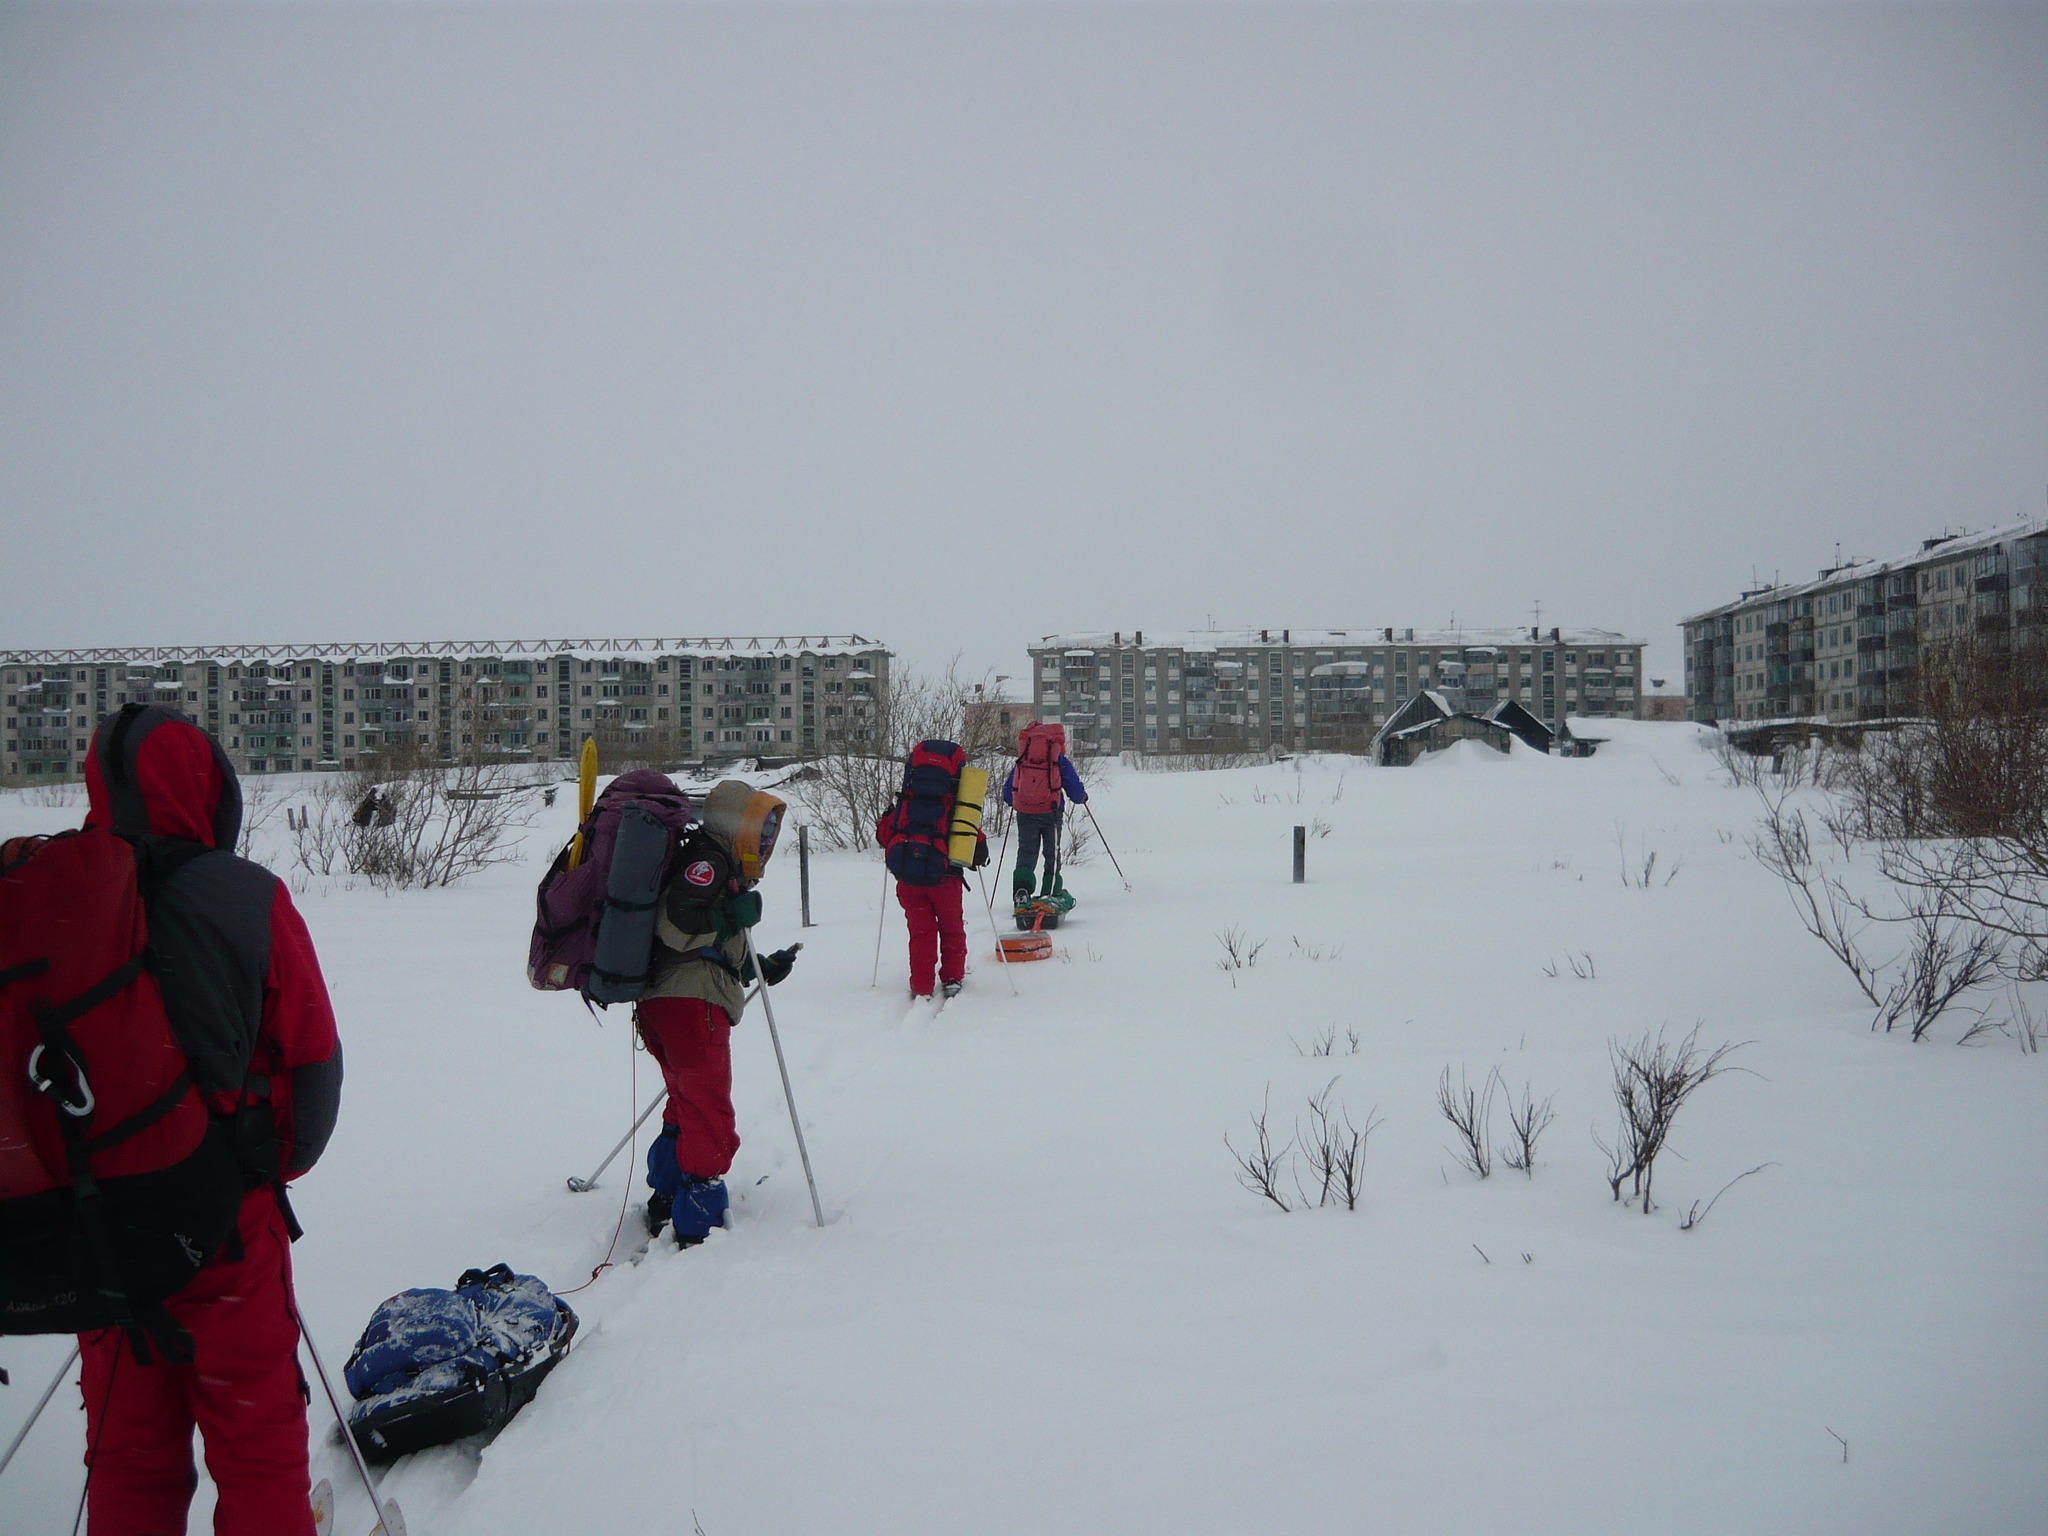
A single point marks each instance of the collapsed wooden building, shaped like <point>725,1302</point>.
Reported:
<point>1428,722</point>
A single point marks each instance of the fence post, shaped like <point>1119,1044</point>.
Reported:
<point>1301,855</point>
<point>803,871</point>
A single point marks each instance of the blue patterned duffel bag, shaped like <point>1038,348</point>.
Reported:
<point>434,1366</point>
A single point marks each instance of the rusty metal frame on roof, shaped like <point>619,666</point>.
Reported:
<point>403,650</point>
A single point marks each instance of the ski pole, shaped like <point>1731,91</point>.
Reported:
<point>391,1522</point>
<point>881,916</point>
<point>782,1066</point>
<point>988,894</point>
<point>1105,844</point>
<point>41,1403</point>
<point>989,906</point>
<point>584,1186</point>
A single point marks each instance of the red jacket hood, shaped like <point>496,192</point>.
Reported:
<point>153,773</point>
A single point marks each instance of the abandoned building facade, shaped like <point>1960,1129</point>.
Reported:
<point>302,708</point>
<point>1850,645</point>
<point>1314,690</point>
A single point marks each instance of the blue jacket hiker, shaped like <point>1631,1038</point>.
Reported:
<point>1037,789</point>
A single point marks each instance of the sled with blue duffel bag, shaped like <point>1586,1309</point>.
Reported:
<point>436,1366</point>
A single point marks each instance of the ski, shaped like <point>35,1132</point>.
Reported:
<point>391,1524</point>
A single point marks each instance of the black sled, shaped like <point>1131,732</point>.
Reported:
<point>437,1366</point>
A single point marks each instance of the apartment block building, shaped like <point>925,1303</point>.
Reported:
<point>1850,644</point>
<point>1318,690</point>
<point>301,708</point>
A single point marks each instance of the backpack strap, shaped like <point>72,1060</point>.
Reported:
<point>74,1121</point>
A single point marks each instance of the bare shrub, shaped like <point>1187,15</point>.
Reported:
<point>60,796</point>
<point>1653,1077</point>
<point>1639,869</point>
<point>1470,1112</point>
<point>1259,1170</point>
<point>1696,1214</point>
<point>1240,953</point>
<point>854,776</point>
<point>1334,1150</point>
<point>1944,961</point>
<point>404,821</point>
<point>1745,770</point>
<point>1949,953</point>
<point>1581,966</point>
<point>1528,1118</point>
<point>1325,1043</point>
<point>261,802</point>
<point>2027,1026</point>
<point>1331,1146</point>
<point>1957,804</point>
<point>1200,762</point>
<point>1315,952</point>
<point>1077,839</point>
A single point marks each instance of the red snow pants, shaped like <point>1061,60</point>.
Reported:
<point>691,1040</point>
<point>242,1389</point>
<point>937,933</point>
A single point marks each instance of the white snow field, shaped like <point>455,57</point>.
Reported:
<point>1043,1305</point>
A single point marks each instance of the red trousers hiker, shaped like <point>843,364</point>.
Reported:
<point>242,1389</point>
<point>938,936</point>
<point>691,1041</point>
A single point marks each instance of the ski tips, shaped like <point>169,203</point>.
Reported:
<point>393,1523</point>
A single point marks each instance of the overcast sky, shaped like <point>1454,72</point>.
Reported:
<point>957,325</point>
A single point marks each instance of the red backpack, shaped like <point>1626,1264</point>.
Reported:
<point>1035,785</point>
<point>920,826</point>
<point>116,1184</point>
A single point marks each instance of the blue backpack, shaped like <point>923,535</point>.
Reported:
<point>922,818</point>
<point>434,1366</point>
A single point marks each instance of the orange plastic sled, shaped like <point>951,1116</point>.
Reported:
<point>1034,945</point>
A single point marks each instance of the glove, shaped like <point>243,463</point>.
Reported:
<point>776,967</point>
<point>981,853</point>
<point>735,915</point>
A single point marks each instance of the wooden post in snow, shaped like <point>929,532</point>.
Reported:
<point>803,872</point>
<point>1301,855</point>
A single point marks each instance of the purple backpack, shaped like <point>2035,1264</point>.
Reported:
<point>593,929</point>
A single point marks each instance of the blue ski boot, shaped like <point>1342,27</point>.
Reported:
<point>699,1205</point>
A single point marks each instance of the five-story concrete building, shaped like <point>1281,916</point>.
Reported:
<point>1313,690</point>
<point>300,708</point>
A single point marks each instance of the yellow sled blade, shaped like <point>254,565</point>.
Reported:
<point>586,795</point>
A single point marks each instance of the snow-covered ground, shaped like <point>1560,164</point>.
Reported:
<point>1042,1304</point>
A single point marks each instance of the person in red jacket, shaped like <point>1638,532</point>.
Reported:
<point>913,835</point>
<point>248,1004</point>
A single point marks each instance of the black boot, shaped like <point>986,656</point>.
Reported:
<point>657,1213</point>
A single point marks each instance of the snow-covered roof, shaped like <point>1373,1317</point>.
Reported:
<point>414,650</point>
<point>1931,552</point>
<point>1360,638</point>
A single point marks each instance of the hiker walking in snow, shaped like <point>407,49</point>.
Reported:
<point>917,837</point>
<point>1038,786</point>
<point>694,998</point>
<point>237,982</point>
